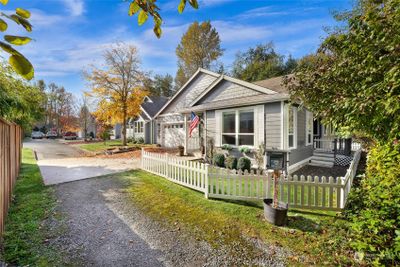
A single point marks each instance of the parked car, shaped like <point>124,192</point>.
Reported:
<point>70,136</point>
<point>37,135</point>
<point>51,134</point>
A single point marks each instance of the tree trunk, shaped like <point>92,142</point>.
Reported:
<point>124,128</point>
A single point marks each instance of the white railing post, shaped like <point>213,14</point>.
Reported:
<point>206,178</point>
<point>342,192</point>
<point>142,159</point>
<point>167,165</point>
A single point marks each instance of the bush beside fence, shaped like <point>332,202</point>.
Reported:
<point>10,161</point>
<point>322,193</point>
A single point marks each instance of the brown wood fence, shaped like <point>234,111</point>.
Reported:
<point>10,161</point>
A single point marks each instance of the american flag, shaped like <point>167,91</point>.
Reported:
<point>194,121</point>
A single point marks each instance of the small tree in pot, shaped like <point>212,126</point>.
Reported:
<point>275,211</point>
<point>181,150</point>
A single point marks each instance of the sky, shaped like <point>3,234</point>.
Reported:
<point>71,35</point>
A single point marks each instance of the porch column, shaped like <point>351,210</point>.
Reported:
<point>186,133</point>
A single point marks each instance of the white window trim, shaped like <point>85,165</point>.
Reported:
<point>138,125</point>
<point>294,127</point>
<point>309,116</point>
<point>237,126</point>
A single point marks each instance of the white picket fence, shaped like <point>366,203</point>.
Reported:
<point>184,172</point>
<point>306,192</point>
<point>350,174</point>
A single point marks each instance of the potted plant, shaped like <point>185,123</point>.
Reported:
<point>275,211</point>
<point>181,150</point>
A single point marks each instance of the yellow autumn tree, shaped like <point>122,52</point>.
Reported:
<point>118,86</point>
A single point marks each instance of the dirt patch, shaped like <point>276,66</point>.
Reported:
<point>136,154</point>
<point>335,171</point>
<point>172,151</point>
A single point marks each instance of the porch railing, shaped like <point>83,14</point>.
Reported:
<point>336,146</point>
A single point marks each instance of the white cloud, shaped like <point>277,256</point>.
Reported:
<point>75,7</point>
<point>209,3</point>
<point>266,11</point>
<point>233,32</point>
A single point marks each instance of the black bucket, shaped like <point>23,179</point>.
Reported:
<point>276,216</point>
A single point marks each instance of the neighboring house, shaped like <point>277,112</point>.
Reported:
<point>143,125</point>
<point>239,113</point>
<point>91,127</point>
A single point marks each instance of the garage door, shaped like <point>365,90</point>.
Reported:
<point>174,135</point>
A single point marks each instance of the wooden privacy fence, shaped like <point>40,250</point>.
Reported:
<point>10,161</point>
<point>306,192</point>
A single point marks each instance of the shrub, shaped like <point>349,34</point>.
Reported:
<point>244,150</point>
<point>373,208</point>
<point>231,162</point>
<point>140,140</point>
<point>130,139</point>
<point>227,147</point>
<point>244,164</point>
<point>219,160</point>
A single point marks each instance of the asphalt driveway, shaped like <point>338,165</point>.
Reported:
<point>60,163</point>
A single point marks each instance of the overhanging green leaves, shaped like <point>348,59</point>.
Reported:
<point>17,40</point>
<point>22,66</point>
<point>3,25</point>
<point>142,17</point>
<point>23,13</point>
<point>133,8</point>
<point>181,6</point>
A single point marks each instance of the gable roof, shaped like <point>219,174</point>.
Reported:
<point>275,84</point>
<point>253,86</point>
<point>150,108</point>
<point>200,70</point>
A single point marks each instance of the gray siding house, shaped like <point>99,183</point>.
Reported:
<point>237,113</point>
<point>144,126</point>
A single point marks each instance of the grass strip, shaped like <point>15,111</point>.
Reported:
<point>25,237</point>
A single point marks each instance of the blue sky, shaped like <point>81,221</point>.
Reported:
<point>71,34</point>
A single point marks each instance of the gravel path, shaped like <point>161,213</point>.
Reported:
<point>104,228</point>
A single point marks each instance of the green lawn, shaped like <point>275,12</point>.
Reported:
<point>313,237</point>
<point>25,236</point>
<point>100,146</point>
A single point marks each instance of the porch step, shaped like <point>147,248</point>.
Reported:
<point>323,158</point>
<point>320,163</point>
<point>323,150</point>
<point>323,154</point>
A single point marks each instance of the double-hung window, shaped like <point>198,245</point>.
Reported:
<point>238,127</point>
<point>138,126</point>
<point>309,128</point>
<point>292,127</point>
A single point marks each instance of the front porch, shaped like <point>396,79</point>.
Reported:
<point>329,152</point>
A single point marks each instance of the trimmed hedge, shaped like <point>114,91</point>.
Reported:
<point>231,162</point>
<point>244,164</point>
<point>219,160</point>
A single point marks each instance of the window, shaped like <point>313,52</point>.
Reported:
<point>292,127</point>
<point>138,126</point>
<point>238,128</point>
<point>309,128</point>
